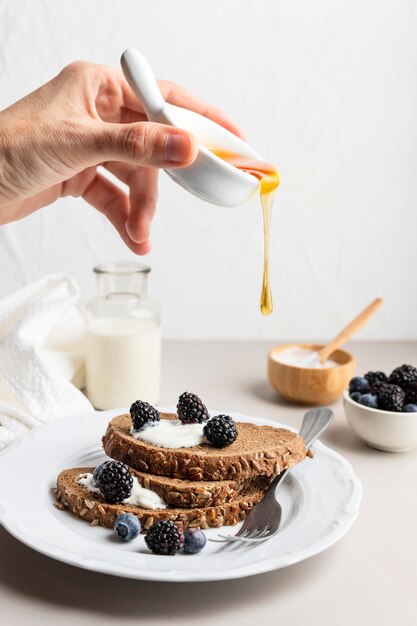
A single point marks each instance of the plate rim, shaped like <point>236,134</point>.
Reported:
<point>174,575</point>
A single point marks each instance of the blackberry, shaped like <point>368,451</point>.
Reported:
<point>411,394</point>
<point>220,431</point>
<point>391,398</point>
<point>163,537</point>
<point>375,378</point>
<point>403,376</point>
<point>115,481</point>
<point>98,470</point>
<point>190,409</point>
<point>143,415</point>
<point>379,386</point>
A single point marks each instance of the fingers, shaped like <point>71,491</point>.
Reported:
<point>143,143</point>
<point>107,198</point>
<point>76,185</point>
<point>174,94</point>
<point>143,188</point>
<point>127,116</point>
<point>106,91</point>
<point>181,97</point>
<point>143,185</point>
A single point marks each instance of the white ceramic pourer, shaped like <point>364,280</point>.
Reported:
<point>209,177</point>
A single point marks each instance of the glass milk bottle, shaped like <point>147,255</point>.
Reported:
<point>123,351</point>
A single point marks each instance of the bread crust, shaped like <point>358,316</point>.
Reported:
<point>92,508</point>
<point>257,450</point>
<point>191,494</point>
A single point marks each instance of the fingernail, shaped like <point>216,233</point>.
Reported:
<point>177,147</point>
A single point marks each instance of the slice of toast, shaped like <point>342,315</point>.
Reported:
<point>188,493</point>
<point>257,450</point>
<point>92,508</point>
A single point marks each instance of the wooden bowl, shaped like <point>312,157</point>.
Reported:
<point>310,386</point>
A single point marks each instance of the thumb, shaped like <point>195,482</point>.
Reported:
<point>142,143</point>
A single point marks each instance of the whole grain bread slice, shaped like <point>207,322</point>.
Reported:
<point>192,493</point>
<point>92,508</point>
<point>257,450</point>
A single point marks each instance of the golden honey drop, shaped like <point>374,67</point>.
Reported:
<point>268,182</point>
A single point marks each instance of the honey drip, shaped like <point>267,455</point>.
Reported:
<point>268,181</point>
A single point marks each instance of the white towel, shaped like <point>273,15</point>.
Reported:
<point>41,356</point>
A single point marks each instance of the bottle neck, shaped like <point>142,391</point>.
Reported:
<point>122,281</point>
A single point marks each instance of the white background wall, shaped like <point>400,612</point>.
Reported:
<point>326,90</point>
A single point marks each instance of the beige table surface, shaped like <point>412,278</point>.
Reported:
<point>368,578</point>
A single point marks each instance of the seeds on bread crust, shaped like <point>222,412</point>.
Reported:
<point>189,493</point>
<point>235,462</point>
<point>105,514</point>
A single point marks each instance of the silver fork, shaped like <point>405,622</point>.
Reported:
<point>264,519</point>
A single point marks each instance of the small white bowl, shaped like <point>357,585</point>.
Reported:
<point>209,177</point>
<point>383,430</point>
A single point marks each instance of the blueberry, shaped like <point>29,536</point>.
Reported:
<point>127,526</point>
<point>359,384</point>
<point>410,408</point>
<point>194,540</point>
<point>355,395</point>
<point>98,470</point>
<point>367,399</point>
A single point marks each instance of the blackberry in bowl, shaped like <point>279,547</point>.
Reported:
<point>381,411</point>
<point>403,376</point>
<point>376,378</point>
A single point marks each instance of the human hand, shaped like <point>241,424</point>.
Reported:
<point>52,141</point>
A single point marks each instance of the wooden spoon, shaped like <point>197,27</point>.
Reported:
<point>349,330</point>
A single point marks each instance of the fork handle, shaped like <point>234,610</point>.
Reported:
<point>270,492</point>
<point>314,423</point>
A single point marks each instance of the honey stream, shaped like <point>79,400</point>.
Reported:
<point>268,182</point>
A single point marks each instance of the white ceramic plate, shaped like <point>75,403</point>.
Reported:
<point>320,500</point>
